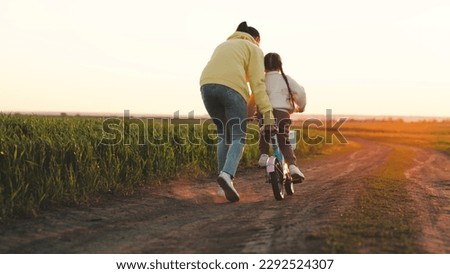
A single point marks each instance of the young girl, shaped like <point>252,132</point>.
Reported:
<point>286,97</point>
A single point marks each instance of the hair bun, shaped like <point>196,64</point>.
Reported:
<point>243,27</point>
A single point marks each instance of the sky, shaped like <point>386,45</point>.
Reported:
<point>386,57</point>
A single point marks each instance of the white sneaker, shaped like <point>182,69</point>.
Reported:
<point>263,160</point>
<point>226,184</point>
<point>296,174</point>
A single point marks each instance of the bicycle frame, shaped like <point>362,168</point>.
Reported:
<point>270,167</point>
<point>277,171</point>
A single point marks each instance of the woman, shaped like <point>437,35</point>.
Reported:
<point>224,87</point>
<point>286,97</point>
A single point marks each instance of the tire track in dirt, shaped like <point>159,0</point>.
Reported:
<point>430,190</point>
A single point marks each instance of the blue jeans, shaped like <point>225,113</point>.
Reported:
<point>228,110</point>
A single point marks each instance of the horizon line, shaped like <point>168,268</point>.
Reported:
<point>165,115</point>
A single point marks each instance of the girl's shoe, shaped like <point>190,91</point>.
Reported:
<point>262,163</point>
<point>296,174</point>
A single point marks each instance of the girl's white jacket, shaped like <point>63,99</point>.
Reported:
<point>279,94</point>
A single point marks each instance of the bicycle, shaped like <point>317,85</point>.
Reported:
<point>277,171</point>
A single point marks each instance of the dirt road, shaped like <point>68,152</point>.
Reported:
<point>186,216</point>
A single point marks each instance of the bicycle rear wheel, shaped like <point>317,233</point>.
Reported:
<point>277,181</point>
<point>289,186</point>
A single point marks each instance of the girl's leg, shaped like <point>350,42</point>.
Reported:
<point>284,123</point>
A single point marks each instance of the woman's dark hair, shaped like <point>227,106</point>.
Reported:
<point>243,27</point>
<point>272,62</point>
<point>253,32</point>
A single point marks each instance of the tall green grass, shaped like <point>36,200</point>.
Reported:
<point>62,160</point>
<point>66,160</point>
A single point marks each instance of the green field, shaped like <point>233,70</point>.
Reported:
<point>63,160</point>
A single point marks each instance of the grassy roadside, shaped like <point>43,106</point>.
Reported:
<point>381,219</point>
<point>425,134</point>
<point>442,145</point>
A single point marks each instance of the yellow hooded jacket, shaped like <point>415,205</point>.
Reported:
<point>232,63</point>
